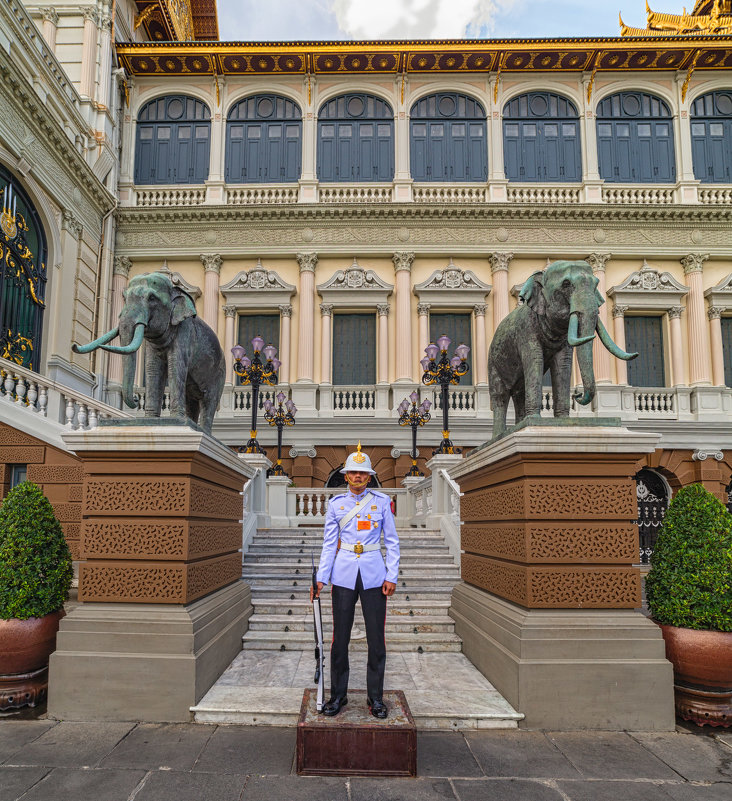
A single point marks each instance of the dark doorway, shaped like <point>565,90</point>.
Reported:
<point>653,499</point>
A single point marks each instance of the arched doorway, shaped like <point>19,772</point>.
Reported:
<point>653,496</point>
<point>337,479</point>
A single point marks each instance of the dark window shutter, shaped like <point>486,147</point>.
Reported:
<point>727,349</point>
<point>644,335</point>
<point>711,137</point>
<point>266,326</point>
<point>458,327</point>
<point>354,349</point>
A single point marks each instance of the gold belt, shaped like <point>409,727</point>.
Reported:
<point>358,547</point>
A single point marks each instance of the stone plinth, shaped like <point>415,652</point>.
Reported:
<point>549,610</point>
<point>163,604</point>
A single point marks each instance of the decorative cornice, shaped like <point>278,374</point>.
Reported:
<point>259,280</point>
<point>674,312</point>
<point>454,278</point>
<point>402,261</point>
<point>355,277</point>
<point>212,263</point>
<point>720,296</point>
<point>598,261</point>
<point>285,309</point>
<point>307,262</point>
<point>694,262</point>
<point>715,312</point>
<point>500,261</point>
<point>122,265</point>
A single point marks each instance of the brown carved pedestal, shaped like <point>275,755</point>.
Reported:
<point>549,609</point>
<point>163,604</point>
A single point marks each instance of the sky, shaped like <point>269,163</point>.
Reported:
<point>305,20</point>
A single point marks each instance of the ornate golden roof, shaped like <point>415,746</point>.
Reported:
<point>708,17</point>
<point>178,20</point>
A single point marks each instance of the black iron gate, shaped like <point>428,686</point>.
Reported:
<point>653,499</point>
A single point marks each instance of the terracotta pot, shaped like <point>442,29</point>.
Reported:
<point>702,663</point>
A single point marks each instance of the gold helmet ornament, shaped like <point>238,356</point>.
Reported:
<point>358,462</point>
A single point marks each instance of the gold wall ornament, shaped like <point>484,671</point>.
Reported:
<point>687,80</point>
<point>8,224</point>
<point>592,77</point>
<point>144,15</point>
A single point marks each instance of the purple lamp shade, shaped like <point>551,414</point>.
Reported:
<point>431,350</point>
<point>462,351</point>
<point>268,405</point>
<point>238,352</point>
<point>456,361</point>
<point>281,397</point>
<point>290,406</point>
<point>425,363</point>
<point>257,344</point>
<point>403,406</point>
<point>443,343</point>
<point>276,363</point>
<point>246,361</point>
<point>414,397</point>
<point>270,352</point>
<point>426,404</point>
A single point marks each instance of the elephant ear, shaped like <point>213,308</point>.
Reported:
<point>599,298</point>
<point>182,306</point>
<point>531,292</point>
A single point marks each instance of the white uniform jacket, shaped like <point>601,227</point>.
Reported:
<point>373,520</point>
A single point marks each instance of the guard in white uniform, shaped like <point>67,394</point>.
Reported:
<point>351,561</point>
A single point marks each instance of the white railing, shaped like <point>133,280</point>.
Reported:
<point>450,193</point>
<point>263,195</point>
<point>307,506</point>
<point>654,402</point>
<point>249,514</point>
<point>715,195</point>
<point>537,193</point>
<point>354,400</point>
<point>653,195</point>
<point>422,498</point>
<point>459,401</point>
<point>242,399</point>
<point>185,196</point>
<point>355,193</point>
<point>37,395</point>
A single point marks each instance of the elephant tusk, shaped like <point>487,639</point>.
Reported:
<point>103,339</point>
<point>573,337</point>
<point>610,345</point>
<point>133,346</point>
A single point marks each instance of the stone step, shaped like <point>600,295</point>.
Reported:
<point>295,572</point>
<point>405,585</point>
<point>266,593</point>
<point>275,549</point>
<point>421,624</point>
<point>395,641</point>
<point>317,537</point>
<point>304,563</point>
<point>400,608</point>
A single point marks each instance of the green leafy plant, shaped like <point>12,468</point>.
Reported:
<point>35,562</point>
<point>690,581</point>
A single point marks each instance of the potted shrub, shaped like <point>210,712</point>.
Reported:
<point>35,576</point>
<point>689,592</point>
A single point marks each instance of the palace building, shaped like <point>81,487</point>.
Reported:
<point>350,202</point>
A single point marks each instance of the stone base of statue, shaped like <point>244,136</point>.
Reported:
<point>549,609</point>
<point>354,743</point>
<point>163,607</point>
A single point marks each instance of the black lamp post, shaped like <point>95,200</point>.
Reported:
<point>255,372</point>
<point>281,415</point>
<point>414,416</point>
<point>438,369</point>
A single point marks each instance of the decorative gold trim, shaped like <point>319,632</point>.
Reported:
<point>687,81</point>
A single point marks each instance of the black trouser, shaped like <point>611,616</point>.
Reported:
<point>373,605</point>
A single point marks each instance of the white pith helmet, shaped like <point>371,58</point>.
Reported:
<point>358,462</point>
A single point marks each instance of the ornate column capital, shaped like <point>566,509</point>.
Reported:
<point>229,310</point>
<point>383,309</point>
<point>403,260</point>
<point>618,310</point>
<point>598,261</point>
<point>500,261</point>
<point>211,262</point>
<point>479,309</point>
<point>423,309</point>
<point>71,224</point>
<point>122,265</point>
<point>49,15</point>
<point>307,262</point>
<point>675,312</point>
<point>715,312</point>
<point>90,13</point>
<point>326,309</point>
<point>285,310</point>
<point>701,455</point>
<point>694,262</point>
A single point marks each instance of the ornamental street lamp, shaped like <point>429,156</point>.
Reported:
<point>438,369</point>
<point>255,372</point>
<point>414,416</point>
<point>280,416</point>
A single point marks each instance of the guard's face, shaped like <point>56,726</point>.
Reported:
<point>357,480</point>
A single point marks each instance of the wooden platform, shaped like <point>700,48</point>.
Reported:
<point>354,743</point>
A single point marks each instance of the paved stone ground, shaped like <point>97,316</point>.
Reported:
<point>45,760</point>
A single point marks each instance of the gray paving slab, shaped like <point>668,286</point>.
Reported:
<point>401,790</point>
<point>166,785</point>
<point>724,737</point>
<point>610,755</point>
<point>173,746</point>
<point>445,754</point>
<point>695,757</point>
<point>72,745</point>
<point>78,784</point>
<point>697,792</point>
<point>612,791</point>
<point>519,754</point>
<point>16,734</point>
<point>295,788</point>
<point>505,790</point>
<point>15,781</point>
<point>242,749</point>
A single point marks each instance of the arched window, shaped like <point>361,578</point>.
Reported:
<point>448,139</point>
<point>541,138</point>
<point>355,139</point>
<point>711,137</point>
<point>173,140</point>
<point>22,275</point>
<point>263,141</point>
<point>635,141</point>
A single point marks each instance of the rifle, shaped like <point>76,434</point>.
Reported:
<point>318,632</point>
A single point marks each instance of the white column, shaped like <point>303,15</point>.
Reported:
<point>499,293</point>
<point>621,366</point>
<point>89,53</point>
<point>403,265</point>
<point>600,354</point>
<point>696,324</point>
<point>382,365</point>
<point>49,27</point>
<point>105,60</point>
<point>305,344</point>
<point>212,265</point>
<point>285,336</point>
<point>480,355</point>
<point>120,275</point>
<point>326,339</point>
<point>229,340</point>
<point>682,133</point>
<point>675,346</point>
<point>423,316</point>
<point>715,340</point>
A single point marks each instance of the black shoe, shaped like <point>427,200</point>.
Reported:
<point>378,708</point>
<point>334,706</point>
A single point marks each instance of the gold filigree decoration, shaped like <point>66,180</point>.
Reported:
<point>687,80</point>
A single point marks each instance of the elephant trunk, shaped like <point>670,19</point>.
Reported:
<point>610,345</point>
<point>97,343</point>
<point>132,336</point>
<point>573,337</point>
<point>584,360</point>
